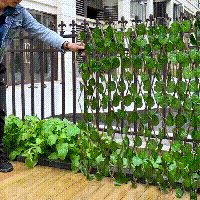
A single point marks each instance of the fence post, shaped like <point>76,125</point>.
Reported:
<point>84,25</point>
<point>73,25</point>
<point>97,93</point>
<point>62,25</point>
<point>123,23</point>
<point>136,21</point>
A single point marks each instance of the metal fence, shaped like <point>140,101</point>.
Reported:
<point>34,65</point>
<point>47,59</point>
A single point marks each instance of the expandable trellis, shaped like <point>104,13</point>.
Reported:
<point>141,87</point>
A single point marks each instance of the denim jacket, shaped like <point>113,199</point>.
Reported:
<point>21,18</point>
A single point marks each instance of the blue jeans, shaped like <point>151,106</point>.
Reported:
<point>2,100</point>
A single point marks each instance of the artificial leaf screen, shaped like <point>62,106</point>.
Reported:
<point>141,88</point>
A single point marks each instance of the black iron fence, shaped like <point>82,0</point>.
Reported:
<point>32,65</point>
<point>29,62</point>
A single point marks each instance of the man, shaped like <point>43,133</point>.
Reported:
<point>12,17</point>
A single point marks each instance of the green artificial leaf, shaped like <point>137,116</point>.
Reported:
<point>90,90</point>
<point>180,120</point>
<point>147,133</point>
<point>173,58</point>
<point>116,99</point>
<point>149,101</point>
<point>85,75</point>
<point>180,45</point>
<point>121,113</point>
<point>161,133</point>
<point>88,117</point>
<point>94,103</point>
<point>155,120</point>
<point>94,66</point>
<point>182,57</point>
<point>133,88</point>
<point>182,134</point>
<point>115,63</point>
<point>136,161</point>
<point>92,82</point>
<point>128,99</point>
<point>138,102</point>
<point>39,141</point>
<point>125,62</point>
<point>176,146</point>
<point>106,64</point>
<point>126,139</point>
<point>152,144</point>
<point>100,88</point>
<point>172,166</point>
<point>111,86</point>
<point>186,26</point>
<point>83,35</point>
<point>196,135</point>
<point>167,157</point>
<point>175,103</point>
<point>194,86</point>
<point>193,194</point>
<point>121,86</point>
<point>144,117</point>
<point>121,179</point>
<point>193,40</point>
<point>193,54</point>
<point>137,141</point>
<point>141,29</point>
<point>187,181</point>
<point>175,27</point>
<point>150,62</point>
<point>163,59</point>
<point>137,62</point>
<point>179,192</point>
<point>187,73</point>
<point>147,85</point>
<point>89,48</point>
<point>105,100</point>
<point>99,159</point>
<point>171,86</point>
<point>144,77</point>
<point>169,46</point>
<point>181,87</point>
<point>132,116</point>
<point>158,86</point>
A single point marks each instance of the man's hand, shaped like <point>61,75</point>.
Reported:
<point>76,47</point>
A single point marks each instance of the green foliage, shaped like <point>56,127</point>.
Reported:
<point>34,138</point>
<point>149,85</point>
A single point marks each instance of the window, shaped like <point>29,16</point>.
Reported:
<point>178,8</point>
<point>138,8</point>
<point>159,9</point>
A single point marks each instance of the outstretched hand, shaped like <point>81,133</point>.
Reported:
<point>76,47</point>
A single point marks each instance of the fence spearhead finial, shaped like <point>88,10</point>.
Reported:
<point>97,22</point>
<point>62,25</point>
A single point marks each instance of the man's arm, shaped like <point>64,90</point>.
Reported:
<point>46,35</point>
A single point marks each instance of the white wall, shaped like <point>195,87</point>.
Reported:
<point>188,5</point>
<point>124,9</point>
<point>49,6</point>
